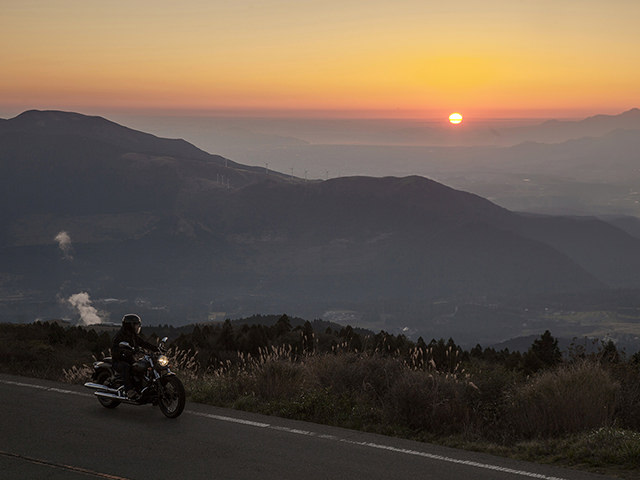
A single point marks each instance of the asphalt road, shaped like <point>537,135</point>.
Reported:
<point>56,431</point>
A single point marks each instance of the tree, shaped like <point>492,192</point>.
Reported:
<point>609,353</point>
<point>307,337</point>
<point>543,353</point>
<point>282,326</point>
<point>198,338</point>
<point>226,340</point>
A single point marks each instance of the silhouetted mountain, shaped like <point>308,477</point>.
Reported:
<point>631,225</point>
<point>59,162</point>
<point>608,158</point>
<point>552,131</point>
<point>160,225</point>
<point>97,128</point>
<point>587,167</point>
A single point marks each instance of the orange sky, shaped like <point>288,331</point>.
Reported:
<point>402,58</point>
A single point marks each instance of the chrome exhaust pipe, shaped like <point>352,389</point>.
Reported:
<point>112,396</point>
<point>97,386</point>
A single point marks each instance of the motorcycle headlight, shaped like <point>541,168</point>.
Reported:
<point>163,360</point>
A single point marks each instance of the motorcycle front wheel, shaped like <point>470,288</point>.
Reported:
<point>104,378</point>
<point>172,397</point>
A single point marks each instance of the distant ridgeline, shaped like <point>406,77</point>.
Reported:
<point>46,348</point>
<point>160,227</point>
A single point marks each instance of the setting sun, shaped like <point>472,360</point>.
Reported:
<point>455,118</point>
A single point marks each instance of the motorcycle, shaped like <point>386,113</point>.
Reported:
<point>154,381</point>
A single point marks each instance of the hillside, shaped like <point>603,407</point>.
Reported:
<point>159,226</point>
<point>552,131</point>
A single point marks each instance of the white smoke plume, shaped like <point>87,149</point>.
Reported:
<point>82,303</point>
<point>64,242</point>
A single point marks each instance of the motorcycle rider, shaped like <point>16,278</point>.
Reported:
<point>123,357</point>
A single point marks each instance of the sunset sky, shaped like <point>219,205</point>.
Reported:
<point>348,57</point>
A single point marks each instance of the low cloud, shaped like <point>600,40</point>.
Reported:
<point>82,303</point>
<point>64,243</point>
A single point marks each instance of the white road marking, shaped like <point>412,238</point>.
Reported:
<point>49,389</point>
<point>69,392</point>
<point>20,384</point>
<point>442,458</point>
<point>295,431</point>
<point>418,453</point>
<point>228,419</point>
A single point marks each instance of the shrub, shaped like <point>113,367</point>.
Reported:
<point>489,401</point>
<point>214,390</point>
<point>607,446</point>
<point>432,402</point>
<point>355,374</point>
<point>570,399</point>
<point>276,379</point>
<point>628,399</point>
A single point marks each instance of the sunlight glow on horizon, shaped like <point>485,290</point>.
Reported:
<point>559,58</point>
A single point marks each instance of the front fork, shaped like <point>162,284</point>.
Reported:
<point>154,380</point>
<point>158,381</point>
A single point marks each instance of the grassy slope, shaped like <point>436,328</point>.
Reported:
<point>476,404</point>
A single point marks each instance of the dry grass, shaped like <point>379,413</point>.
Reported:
<point>408,393</point>
<point>77,375</point>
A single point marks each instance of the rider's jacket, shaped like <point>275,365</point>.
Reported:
<point>136,341</point>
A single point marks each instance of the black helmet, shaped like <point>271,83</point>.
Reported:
<point>132,323</point>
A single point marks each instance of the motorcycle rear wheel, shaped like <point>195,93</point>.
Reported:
<point>104,378</point>
<point>172,399</point>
